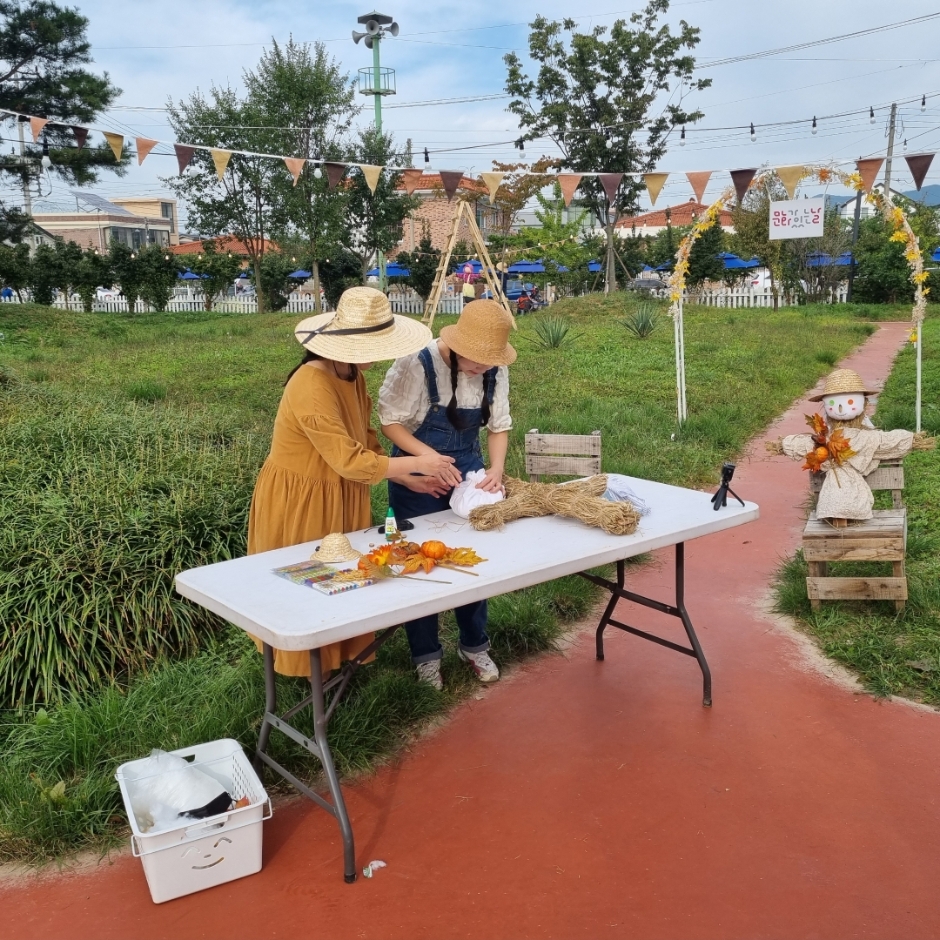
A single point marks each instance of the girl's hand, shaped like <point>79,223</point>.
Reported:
<point>439,465</point>
<point>492,482</point>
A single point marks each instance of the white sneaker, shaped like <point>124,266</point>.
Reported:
<point>481,664</point>
<point>430,672</point>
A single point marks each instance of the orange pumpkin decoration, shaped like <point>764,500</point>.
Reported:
<point>822,453</point>
<point>433,549</point>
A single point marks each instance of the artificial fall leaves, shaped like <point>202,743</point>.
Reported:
<point>404,558</point>
<point>827,446</point>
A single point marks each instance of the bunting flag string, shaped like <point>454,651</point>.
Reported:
<point>867,169</point>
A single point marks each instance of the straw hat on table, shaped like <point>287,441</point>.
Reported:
<point>363,329</point>
<point>482,334</point>
<point>843,382</point>
<point>336,547</point>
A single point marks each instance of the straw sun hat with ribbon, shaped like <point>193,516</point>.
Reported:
<point>363,329</point>
<point>843,382</point>
<point>482,334</point>
<point>336,547</point>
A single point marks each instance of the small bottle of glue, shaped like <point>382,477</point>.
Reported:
<point>391,526</point>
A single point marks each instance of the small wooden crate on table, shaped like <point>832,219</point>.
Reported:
<point>881,538</point>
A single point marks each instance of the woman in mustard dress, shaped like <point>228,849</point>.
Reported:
<point>324,453</point>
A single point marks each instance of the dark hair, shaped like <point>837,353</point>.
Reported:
<point>452,415</point>
<point>311,357</point>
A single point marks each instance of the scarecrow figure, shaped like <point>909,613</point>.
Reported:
<point>846,447</point>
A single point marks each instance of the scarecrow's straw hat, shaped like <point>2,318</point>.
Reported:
<point>482,334</point>
<point>843,382</point>
<point>363,329</point>
<point>336,547</point>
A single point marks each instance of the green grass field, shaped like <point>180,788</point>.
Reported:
<point>128,451</point>
<point>892,653</point>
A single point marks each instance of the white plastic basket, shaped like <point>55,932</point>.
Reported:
<point>203,853</point>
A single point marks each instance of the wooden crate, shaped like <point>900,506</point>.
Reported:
<point>562,454</point>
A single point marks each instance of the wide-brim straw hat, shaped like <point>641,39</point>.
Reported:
<point>843,382</point>
<point>363,329</point>
<point>336,547</point>
<point>482,334</point>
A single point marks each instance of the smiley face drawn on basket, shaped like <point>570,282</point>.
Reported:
<point>221,858</point>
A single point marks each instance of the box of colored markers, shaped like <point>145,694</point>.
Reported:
<point>319,576</point>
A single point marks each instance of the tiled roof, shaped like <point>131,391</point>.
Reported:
<point>223,243</point>
<point>685,213</point>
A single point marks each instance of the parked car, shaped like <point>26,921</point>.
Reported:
<point>647,284</point>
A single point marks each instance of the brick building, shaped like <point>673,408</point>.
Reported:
<point>435,214</point>
<point>685,213</point>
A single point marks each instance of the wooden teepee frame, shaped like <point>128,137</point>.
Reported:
<point>464,211</point>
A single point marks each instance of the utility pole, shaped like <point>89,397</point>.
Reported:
<point>892,123</point>
<point>24,162</point>
<point>377,25</point>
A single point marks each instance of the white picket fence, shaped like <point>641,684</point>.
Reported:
<point>412,303</point>
<point>743,297</point>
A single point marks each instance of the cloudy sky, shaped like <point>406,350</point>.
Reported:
<point>155,51</point>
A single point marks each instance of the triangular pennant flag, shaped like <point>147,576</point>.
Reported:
<point>115,142</point>
<point>919,164</point>
<point>411,179</point>
<point>654,185</point>
<point>868,171</point>
<point>144,146</point>
<point>220,158</point>
<point>610,182</point>
<point>334,173</point>
<point>698,182</point>
<point>36,125</point>
<point>81,135</point>
<point>492,182</point>
<point>372,174</point>
<point>790,176</point>
<point>742,179</point>
<point>450,180</point>
<point>184,154</point>
<point>568,183</point>
<point>295,165</point>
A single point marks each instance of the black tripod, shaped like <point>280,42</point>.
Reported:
<point>721,496</point>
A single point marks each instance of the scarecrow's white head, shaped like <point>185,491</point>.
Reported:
<point>844,407</point>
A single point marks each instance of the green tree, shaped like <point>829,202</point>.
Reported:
<point>422,266</point>
<point>92,271</point>
<point>274,285</point>
<point>751,237</point>
<point>704,263</point>
<point>217,271</point>
<point>14,268</point>
<point>43,47</point>
<point>43,276</point>
<point>246,202</point>
<point>302,89</point>
<point>598,88</point>
<point>127,272</point>
<point>374,221</point>
<point>338,272</point>
<point>68,258</point>
<point>883,274</point>
<point>803,277</point>
<point>159,274</point>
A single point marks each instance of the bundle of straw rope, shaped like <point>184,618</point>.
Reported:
<point>578,500</point>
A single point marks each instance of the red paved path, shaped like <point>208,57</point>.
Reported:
<point>586,799</point>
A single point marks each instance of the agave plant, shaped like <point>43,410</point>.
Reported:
<point>643,321</point>
<point>552,332</point>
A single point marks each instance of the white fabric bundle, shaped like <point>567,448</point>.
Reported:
<point>466,496</point>
<point>618,491</point>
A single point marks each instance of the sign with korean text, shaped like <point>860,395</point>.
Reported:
<point>797,218</point>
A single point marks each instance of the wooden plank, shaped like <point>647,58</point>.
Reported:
<point>577,445</point>
<point>886,478</point>
<point>563,466</point>
<point>887,549</point>
<point>862,589</point>
<point>884,523</point>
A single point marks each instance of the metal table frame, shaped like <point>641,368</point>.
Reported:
<point>322,712</point>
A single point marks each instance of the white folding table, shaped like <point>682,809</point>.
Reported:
<point>288,616</point>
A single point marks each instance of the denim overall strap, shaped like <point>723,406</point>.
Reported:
<point>489,383</point>
<point>430,376</point>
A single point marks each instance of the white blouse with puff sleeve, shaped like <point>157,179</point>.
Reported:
<point>404,399</point>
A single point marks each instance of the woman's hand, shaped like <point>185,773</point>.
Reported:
<point>492,482</point>
<point>438,465</point>
<point>433,486</point>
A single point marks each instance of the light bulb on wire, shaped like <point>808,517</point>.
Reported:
<point>682,138</point>
<point>317,173</point>
<point>427,161</point>
<point>871,115</point>
<point>520,143</point>
<point>814,128</point>
<point>753,133</point>
<point>923,102</point>
<point>46,159</point>
<point>905,145</point>
<point>608,143</point>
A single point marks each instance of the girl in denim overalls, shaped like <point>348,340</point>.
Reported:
<point>436,401</point>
